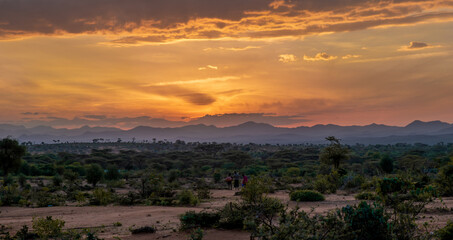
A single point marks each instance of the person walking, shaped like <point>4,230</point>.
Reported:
<point>229,181</point>
<point>236,179</point>
<point>244,180</point>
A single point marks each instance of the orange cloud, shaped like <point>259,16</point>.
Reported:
<point>137,22</point>
<point>320,57</point>
<point>348,56</point>
<point>286,58</point>
<point>413,46</point>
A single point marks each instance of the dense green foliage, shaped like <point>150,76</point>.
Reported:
<point>306,196</point>
<point>399,181</point>
<point>11,154</point>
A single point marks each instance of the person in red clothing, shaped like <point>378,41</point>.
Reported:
<point>244,180</point>
<point>229,181</point>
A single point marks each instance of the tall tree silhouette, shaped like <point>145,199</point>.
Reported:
<point>335,153</point>
<point>11,154</point>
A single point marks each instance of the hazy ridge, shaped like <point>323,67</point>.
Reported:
<point>415,132</point>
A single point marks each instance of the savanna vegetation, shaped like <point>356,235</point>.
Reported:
<point>395,182</point>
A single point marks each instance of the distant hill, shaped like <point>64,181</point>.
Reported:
<point>415,132</point>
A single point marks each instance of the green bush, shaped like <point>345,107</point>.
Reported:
<point>101,197</point>
<point>306,196</point>
<point>187,197</point>
<point>204,193</point>
<point>392,185</point>
<point>325,184</point>
<point>202,219</point>
<point>196,234</point>
<point>232,216</point>
<point>48,228</point>
<point>365,222</point>
<point>446,233</point>
<point>365,196</point>
<point>354,182</point>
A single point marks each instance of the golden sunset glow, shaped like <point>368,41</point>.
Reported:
<point>300,62</point>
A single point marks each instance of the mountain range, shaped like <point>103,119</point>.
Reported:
<point>416,132</point>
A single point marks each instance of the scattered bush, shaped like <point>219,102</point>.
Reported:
<point>101,197</point>
<point>47,227</point>
<point>446,233</point>
<point>306,196</point>
<point>204,193</point>
<point>143,230</point>
<point>196,234</point>
<point>202,219</point>
<point>186,197</point>
<point>365,196</point>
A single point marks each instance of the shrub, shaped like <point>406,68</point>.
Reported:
<point>112,173</point>
<point>196,234</point>
<point>365,222</point>
<point>306,196</point>
<point>232,216</point>
<point>204,193</point>
<point>202,219</point>
<point>445,180</point>
<point>217,177</point>
<point>446,233</point>
<point>187,197</point>
<point>47,227</point>
<point>365,196</point>
<point>392,185</point>
<point>293,172</point>
<point>94,174</point>
<point>24,234</point>
<point>101,197</point>
<point>129,199</point>
<point>386,164</point>
<point>141,230</point>
<point>57,180</point>
<point>325,184</point>
<point>354,182</point>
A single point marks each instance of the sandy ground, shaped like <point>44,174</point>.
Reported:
<point>166,219</point>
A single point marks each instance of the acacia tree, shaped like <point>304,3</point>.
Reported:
<point>335,153</point>
<point>95,173</point>
<point>11,154</point>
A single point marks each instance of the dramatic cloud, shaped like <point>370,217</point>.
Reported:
<point>198,98</point>
<point>416,46</point>
<point>320,57</point>
<point>286,58</point>
<point>151,21</point>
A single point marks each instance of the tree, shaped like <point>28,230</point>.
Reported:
<point>94,174</point>
<point>112,173</point>
<point>335,153</point>
<point>386,164</point>
<point>11,154</point>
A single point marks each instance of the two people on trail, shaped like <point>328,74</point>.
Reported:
<point>234,180</point>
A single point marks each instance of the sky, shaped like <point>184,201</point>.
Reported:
<point>68,63</point>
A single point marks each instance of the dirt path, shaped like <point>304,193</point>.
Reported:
<point>166,219</point>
